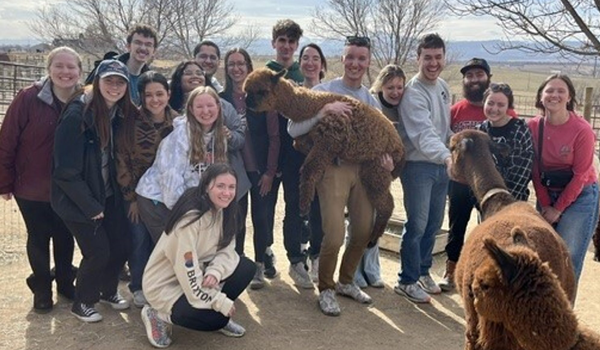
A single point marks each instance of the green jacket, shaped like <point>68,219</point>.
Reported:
<point>293,71</point>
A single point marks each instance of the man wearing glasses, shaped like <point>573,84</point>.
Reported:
<point>142,41</point>
<point>208,56</point>
<point>425,129</point>
<point>341,187</point>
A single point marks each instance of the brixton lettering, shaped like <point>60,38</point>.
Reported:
<point>198,292</point>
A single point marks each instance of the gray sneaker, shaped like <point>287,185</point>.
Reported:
<point>139,300</point>
<point>157,330</point>
<point>429,285</point>
<point>258,282</point>
<point>412,292</point>
<point>328,304</point>
<point>351,290</point>
<point>300,276</point>
<point>233,329</point>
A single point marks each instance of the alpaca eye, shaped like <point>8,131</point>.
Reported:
<point>484,286</point>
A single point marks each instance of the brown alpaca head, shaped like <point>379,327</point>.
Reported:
<point>471,150</point>
<point>510,278</point>
<point>261,88</point>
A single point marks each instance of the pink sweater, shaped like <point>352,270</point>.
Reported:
<point>567,146</point>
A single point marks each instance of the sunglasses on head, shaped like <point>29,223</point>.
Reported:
<point>358,40</point>
<point>500,87</point>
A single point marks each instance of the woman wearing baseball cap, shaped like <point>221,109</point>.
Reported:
<point>85,193</point>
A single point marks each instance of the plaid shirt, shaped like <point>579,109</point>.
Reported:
<point>516,167</point>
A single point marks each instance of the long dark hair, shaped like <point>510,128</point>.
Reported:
<point>196,200</point>
<point>100,112</point>
<point>227,93</point>
<point>153,77</point>
<point>321,55</point>
<point>176,101</point>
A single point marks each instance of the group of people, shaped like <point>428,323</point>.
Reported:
<point>158,173</point>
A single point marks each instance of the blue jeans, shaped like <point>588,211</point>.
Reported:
<point>425,186</point>
<point>578,223</point>
<point>369,269</point>
<point>141,247</point>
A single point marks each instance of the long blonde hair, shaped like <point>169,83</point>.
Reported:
<point>197,149</point>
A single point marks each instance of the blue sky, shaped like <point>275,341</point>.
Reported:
<point>15,14</point>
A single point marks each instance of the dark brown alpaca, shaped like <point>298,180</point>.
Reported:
<point>517,290</point>
<point>596,240</point>
<point>473,164</point>
<point>363,138</point>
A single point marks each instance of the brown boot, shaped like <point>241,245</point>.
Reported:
<point>447,283</point>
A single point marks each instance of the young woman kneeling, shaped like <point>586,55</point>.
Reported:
<point>194,274</point>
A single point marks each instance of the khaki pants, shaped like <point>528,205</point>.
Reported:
<point>341,187</point>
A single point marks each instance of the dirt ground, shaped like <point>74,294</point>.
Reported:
<point>280,316</point>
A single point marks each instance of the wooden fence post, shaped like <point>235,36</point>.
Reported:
<point>587,104</point>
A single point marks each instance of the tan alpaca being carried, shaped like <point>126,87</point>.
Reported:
<point>507,223</point>
<point>363,138</point>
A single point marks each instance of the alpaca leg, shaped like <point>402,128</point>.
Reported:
<point>472,319</point>
<point>311,172</point>
<point>596,240</point>
<point>377,182</point>
<point>399,161</point>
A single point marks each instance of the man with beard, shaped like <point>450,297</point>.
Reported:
<point>465,114</point>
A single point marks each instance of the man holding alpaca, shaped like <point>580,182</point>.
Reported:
<point>341,187</point>
<point>425,129</point>
<point>286,37</point>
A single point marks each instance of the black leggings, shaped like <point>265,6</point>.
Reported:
<point>185,315</point>
<point>461,203</point>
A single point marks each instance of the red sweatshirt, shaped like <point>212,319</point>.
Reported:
<point>567,146</point>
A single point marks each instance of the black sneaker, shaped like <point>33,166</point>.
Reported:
<point>270,271</point>
<point>116,301</point>
<point>86,313</point>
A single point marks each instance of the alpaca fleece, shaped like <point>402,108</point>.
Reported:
<point>363,138</point>
<point>506,222</point>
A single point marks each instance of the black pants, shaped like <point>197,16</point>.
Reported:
<point>292,221</point>
<point>461,203</point>
<point>313,230</point>
<point>105,246</point>
<point>185,315</point>
<point>262,219</point>
<point>44,225</point>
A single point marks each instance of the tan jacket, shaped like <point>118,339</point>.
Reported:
<point>182,258</point>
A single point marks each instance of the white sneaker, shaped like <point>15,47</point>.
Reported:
<point>233,329</point>
<point>412,292</point>
<point>157,330</point>
<point>351,290</point>
<point>429,285</point>
<point>139,300</point>
<point>300,276</point>
<point>258,282</point>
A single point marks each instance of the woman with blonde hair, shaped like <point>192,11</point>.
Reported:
<point>26,143</point>
<point>200,138</point>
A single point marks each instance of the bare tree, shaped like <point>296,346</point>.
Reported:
<point>393,26</point>
<point>570,28</point>
<point>95,26</point>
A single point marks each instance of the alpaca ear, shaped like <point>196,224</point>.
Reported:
<point>465,144</point>
<point>275,78</point>
<point>519,237</point>
<point>507,263</point>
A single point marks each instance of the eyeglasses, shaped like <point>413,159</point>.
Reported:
<point>148,44</point>
<point>236,64</point>
<point>197,72</point>
<point>206,57</point>
<point>358,41</point>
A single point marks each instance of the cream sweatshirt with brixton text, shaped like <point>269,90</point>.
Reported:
<point>180,261</point>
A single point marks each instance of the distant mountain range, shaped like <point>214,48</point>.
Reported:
<point>457,50</point>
